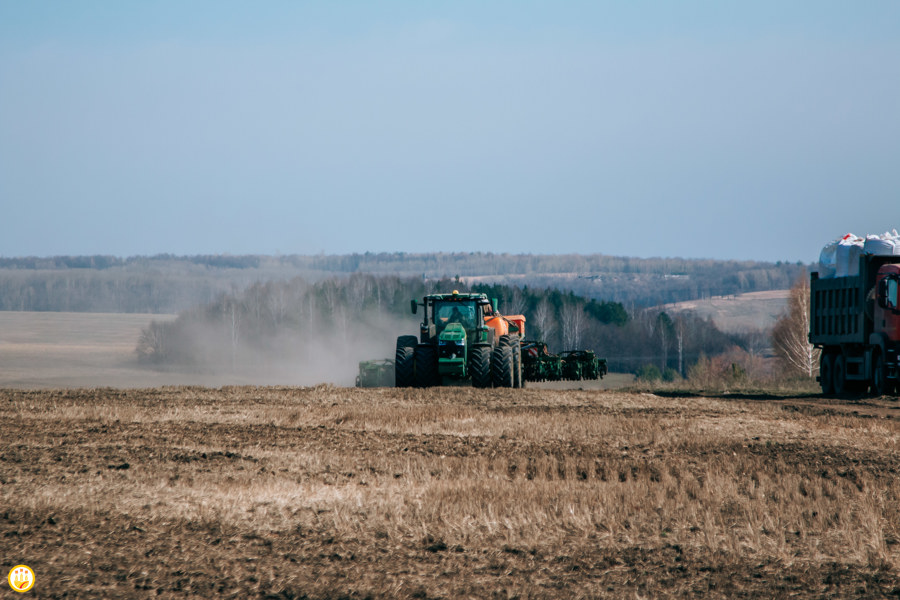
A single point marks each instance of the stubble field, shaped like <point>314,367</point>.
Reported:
<point>328,492</point>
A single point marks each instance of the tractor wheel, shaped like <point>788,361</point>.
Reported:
<point>426,366</point>
<point>879,382</point>
<point>516,347</point>
<point>480,366</point>
<point>502,367</point>
<point>840,375</point>
<point>826,373</point>
<point>404,368</point>
<point>407,341</point>
<point>505,340</point>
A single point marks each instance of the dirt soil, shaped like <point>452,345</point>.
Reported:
<point>325,492</point>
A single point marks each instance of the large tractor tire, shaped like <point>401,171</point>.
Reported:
<point>404,365</point>
<point>480,366</point>
<point>826,373</point>
<point>502,366</point>
<point>426,374</point>
<point>516,347</point>
<point>407,341</point>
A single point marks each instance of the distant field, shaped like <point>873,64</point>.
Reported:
<point>57,350</point>
<point>88,350</point>
<point>326,493</point>
<point>743,312</point>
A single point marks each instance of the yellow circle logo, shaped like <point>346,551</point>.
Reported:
<point>21,578</point>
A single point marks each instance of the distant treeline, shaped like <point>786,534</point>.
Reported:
<point>100,262</point>
<point>167,284</point>
<point>297,318</point>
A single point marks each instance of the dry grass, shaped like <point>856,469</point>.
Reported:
<point>329,492</point>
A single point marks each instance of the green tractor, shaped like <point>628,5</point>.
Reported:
<point>462,338</point>
<point>582,364</point>
<point>375,373</point>
<point>538,364</point>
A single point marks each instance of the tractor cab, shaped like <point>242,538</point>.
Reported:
<point>465,311</point>
<point>461,312</point>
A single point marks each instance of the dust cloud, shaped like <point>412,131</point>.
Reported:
<point>221,352</point>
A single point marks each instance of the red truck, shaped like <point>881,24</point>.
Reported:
<point>855,320</point>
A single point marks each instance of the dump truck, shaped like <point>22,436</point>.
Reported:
<point>463,337</point>
<point>375,373</point>
<point>855,321</point>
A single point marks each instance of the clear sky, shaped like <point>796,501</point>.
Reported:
<point>718,129</point>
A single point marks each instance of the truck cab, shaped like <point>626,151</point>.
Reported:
<point>887,305</point>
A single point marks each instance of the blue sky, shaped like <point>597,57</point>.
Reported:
<point>698,129</point>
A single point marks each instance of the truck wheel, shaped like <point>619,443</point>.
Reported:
<point>826,373</point>
<point>879,382</point>
<point>404,368</point>
<point>426,374</point>
<point>840,375</point>
<point>480,366</point>
<point>501,366</point>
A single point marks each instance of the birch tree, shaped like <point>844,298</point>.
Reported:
<point>572,321</point>
<point>790,336</point>
<point>543,318</point>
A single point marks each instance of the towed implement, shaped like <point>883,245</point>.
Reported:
<point>375,373</point>
<point>582,364</point>
<point>462,337</point>
<point>539,364</point>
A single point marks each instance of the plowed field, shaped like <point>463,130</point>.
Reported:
<point>329,492</point>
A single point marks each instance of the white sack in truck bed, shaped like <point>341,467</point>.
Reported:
<point>840,258</point>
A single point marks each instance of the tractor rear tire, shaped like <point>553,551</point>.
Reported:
<point>518,379</point>
<point>426,373</point>
<point>480,366</point>
<point>502,367</point>
<point>404,367</point>
<point>407,341</point>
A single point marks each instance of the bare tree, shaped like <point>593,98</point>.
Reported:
<point>543,318</point>
<point>790,336</point>
<point>756,341</point>
<point>278,304</point>
<point>572,317</point>
<point>152,343</point>
<point>679,336</point>
<point>664,328</point>
<point>517,302</point>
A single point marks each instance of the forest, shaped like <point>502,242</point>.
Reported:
<point>299,319</point>
<point>171,284</point>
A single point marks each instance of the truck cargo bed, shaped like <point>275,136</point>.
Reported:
<point>838,311</point>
